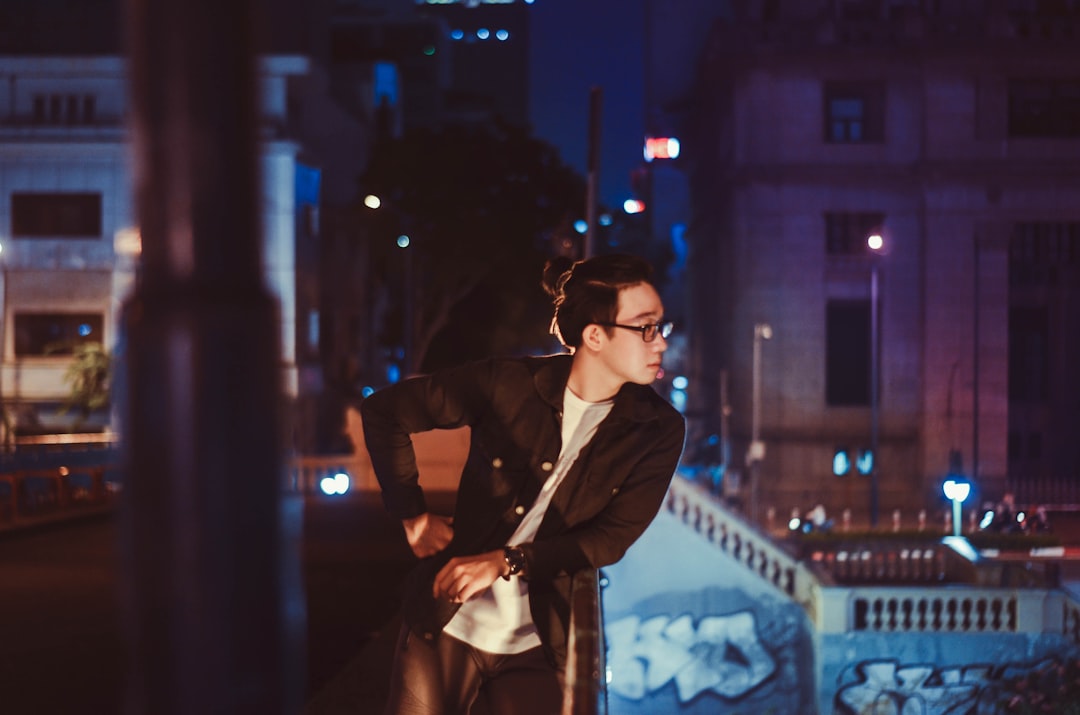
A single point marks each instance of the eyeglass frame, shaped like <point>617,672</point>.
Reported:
<point>663,328</point>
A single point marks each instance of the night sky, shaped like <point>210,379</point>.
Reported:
<point>577,44</point>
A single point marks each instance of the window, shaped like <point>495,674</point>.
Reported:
<point>846,231</point>
<point>854,112</point>
<point>1044,108</point>
<point>64,109</point>
<point>65,215</point>
<point>38,334</point>
<point>1028,354</point>
<point>847,352</point>
<point>1040,250</point>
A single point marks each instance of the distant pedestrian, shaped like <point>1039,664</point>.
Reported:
<point>569,461</point>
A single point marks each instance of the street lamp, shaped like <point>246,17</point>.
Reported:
<point>756,452</point>
<point>875,243</point>
<point>957,491</point>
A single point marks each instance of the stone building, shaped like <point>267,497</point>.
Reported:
<point>69,241</point>
<point>952,131</point>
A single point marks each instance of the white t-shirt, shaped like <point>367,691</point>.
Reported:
<point>498,620</point>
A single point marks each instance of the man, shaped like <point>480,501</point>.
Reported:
<point>569,460</point>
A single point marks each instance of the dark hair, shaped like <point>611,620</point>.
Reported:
<point>588,291</point>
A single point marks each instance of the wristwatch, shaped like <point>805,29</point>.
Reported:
<point>515,559</point>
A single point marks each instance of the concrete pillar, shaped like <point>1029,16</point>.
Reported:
<point>206,582</point>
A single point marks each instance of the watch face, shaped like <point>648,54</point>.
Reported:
<point>515,559</point>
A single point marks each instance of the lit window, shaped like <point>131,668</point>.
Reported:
<point>854,112</point>
<point>386,83</point>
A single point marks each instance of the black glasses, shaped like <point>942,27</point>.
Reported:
<point>648,332</point>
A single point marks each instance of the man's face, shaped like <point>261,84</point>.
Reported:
<point>629,357</point>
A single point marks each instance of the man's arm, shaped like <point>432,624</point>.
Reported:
<point>443,400</point>
<point>428,534</point>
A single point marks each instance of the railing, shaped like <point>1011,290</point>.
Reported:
<point>585,688</point>
<point>737,538</point>
<point>1054,493</point>
<point>907,604</point>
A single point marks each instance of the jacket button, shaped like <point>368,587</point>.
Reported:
<point>497,462</point>
<point>614,491</point>
<point>429,636</point>
<point>546,466</point>
<point>519,510</point>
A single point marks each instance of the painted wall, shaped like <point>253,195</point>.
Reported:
<point>690,630</point>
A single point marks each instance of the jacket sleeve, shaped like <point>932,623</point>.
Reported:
<point>603,539</point>
<point>443,400</point>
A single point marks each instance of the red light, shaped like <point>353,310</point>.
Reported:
<point>661,148</point>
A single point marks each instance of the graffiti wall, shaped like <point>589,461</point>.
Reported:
<point>957,674</point>
<point>691,632</point>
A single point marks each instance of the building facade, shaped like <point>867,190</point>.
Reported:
<point>952,132</point>
<point>69,239</point>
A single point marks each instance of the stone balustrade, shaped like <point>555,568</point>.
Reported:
<point>876,588</point>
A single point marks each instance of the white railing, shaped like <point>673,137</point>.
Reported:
<point>909,607</point>
<point>740,540</point>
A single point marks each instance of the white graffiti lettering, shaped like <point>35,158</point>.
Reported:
<point>722,655</point>
<point>913,690</point>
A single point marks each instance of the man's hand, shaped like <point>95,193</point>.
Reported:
<point>465,576</point>
<point>428,534</point>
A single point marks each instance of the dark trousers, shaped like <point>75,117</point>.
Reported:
<point>445,676</point>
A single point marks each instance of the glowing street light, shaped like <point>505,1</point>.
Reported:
<point>875,243</point>
<point>957,491</point>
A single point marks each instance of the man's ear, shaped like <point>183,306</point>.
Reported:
<point>593,336</point>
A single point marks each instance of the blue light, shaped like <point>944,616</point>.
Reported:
<point>393,373</point>
<point>865,461</point>
<point>367,390</point>
<point>502,35</point>
<point>679,382</point>
<point>678,400</point>
<point>605,219</point>
<point>84,329</point>
<point>483,33</point>
<point>457,34</point>
<point>580,226</point>
<point>403,241</point>
<point>841,462</point>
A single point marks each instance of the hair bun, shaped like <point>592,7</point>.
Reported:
<point>553,270</point>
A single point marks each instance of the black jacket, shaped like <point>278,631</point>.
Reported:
<point>513,407</point>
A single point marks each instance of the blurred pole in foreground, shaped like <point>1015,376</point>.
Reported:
<point>206,586</point>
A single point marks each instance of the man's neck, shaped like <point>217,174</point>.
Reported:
<point>590,381</point>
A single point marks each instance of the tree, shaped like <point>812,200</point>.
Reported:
<point>88,377</point>
<point>482,207</point>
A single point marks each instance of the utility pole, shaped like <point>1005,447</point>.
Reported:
<point>593,177</point>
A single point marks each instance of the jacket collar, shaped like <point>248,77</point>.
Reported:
<point>632,402</point>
